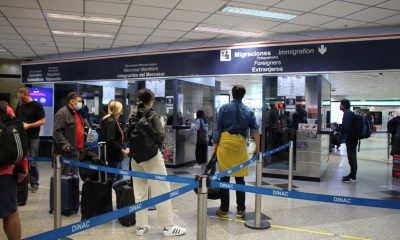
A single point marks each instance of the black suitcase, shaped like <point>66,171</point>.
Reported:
<point>125,197</point>
<point>69,194</point>
<point>96,198</point>
<point>22,191</point>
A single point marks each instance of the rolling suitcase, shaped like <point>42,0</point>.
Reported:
<point>125,197</point>
<point>396,166</point>
<point>22,191</point>
<point>69,194</point>
<point>96,195</point>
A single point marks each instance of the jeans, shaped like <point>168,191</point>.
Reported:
<point>201,153</point>
<point>34,168</point>
<point>115,177</point>
<point>351,147</point>
<point>240,196</point>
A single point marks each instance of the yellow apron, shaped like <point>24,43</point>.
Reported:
<point>231,152</point>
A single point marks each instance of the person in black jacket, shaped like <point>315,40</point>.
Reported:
<point>114,137</point>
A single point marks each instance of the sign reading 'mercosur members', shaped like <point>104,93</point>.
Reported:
<point>379,54</point>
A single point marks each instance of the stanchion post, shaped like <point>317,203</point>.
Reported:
<point>388,145</point>
<point>202,208</point>
<point>257,223</point>
<point>290,174</point>
<point>57,192</point>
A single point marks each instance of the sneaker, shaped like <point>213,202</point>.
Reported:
<point>34,189</point>
<point>240,214</point>
<point>142,230</point>
<point>221,213</point>
<point>348,180</point>
<point>174,230</point>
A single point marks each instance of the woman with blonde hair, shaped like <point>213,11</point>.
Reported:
<point>114,137</point>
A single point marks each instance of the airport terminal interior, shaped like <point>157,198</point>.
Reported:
<point>297,60</point>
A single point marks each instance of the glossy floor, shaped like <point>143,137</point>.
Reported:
<point>290,218</point>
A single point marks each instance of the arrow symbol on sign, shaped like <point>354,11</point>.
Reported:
<point>322,49</point>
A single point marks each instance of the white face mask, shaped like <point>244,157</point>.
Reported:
<point>78,106</point>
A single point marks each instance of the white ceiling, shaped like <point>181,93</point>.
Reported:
<point>168,24</point>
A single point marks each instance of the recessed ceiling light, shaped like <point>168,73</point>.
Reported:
<point>83,18</point>
<point>226,31</point>
<point>258,13</point>
<point>80,34</point>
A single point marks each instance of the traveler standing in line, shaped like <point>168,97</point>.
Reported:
<point>31,113</point>
<point>68,132</point>
<point>8,187</point>
<point>233,123</point>
<point>114,136</point>
<point>393,128</point>
<point>155,165</point>
<point>348,132</point>
<point>201,128</point>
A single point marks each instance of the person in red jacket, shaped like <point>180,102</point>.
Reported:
<point>9,175</point>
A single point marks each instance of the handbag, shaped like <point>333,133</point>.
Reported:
<point>213,193</point>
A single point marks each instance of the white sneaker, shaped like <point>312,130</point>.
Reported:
<point>142,230</point>
<point>174,230</point>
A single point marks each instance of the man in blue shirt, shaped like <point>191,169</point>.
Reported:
<point>347,129</point>
<point>233,124</point>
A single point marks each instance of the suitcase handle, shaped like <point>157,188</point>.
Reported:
<point>104,145</point>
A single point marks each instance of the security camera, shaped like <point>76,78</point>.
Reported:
<point>381,74</point>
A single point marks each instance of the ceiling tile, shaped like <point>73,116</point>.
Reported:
<point>6,29</point>
<point>9,36</point>
<point>3,22</point>
<point>21,12</point>
<point>154,39</point>
<point>372,14</point>
<point>148,12</point>
<point>281,10</point>
<point>301,5</point>
<point>135,30</point>
<point>247,5</point>
<point>187,16</point>
<point>256,25</point>
<point>198,35</point>
<point>311,19</point>
<point>128,37</point>
<point>392,4</point>
<point>287,27</point>
<point>105,8</point>
<point>186,44</point>
<point>62,5</point>
<point>209,6</point>
<point>100,41</point>
<point>175,25</point>
<point>152,47</point>
<point>45,48</point>
<point>339,9</point>
<point>65,25</point>
<point>120,43</point>
<point>33,31</point>
<point>101,28</point>
<point>69,45</point>
<point>157,3</point>
<point>41,43</point>
<point>259,2</point>
<point>24,22</point>
<point>141,22</point>
<point>6,55</point>
<point>77,40</point>
<point>12,41</point>
<point>391,20</point>
<point>19,3</point>
<point>167,33</point>
<point>367,2</point>
<point>46,38</point>
<point>342,23</point>
<point>224,20</point>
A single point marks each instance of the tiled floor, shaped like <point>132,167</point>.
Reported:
<point>290,218</point>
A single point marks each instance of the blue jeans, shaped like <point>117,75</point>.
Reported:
<point>115,177</point>
<point>34,168</point>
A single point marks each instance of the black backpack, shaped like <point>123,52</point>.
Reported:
<point>90,157</point>
<point>142,138</point>
<point>202,134</point>
<point>362,126</point>
<point>13,142</point>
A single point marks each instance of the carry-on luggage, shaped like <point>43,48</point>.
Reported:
<point>125,197</point>
<point>396,166</point>
<point>22,191</point>
<point>69,194</point>
<point>96,194</point>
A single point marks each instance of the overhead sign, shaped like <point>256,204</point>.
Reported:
<point>322,57</point>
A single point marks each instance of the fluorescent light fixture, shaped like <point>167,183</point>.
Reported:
<point>226,31</point>
<point>2,50</point>
<point>258,13</point>
<point>80,34</point>
<point>83,18</point>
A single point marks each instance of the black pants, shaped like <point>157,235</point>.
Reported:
<point>351,146</point>
<point>240,196</point>
<point>201,153</point>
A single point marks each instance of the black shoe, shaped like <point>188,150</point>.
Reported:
<point>348,180</point>
<point>347,176</point>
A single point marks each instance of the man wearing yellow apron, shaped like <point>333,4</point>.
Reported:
<point>233,123</point>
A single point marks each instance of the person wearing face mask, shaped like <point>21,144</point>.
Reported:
<point>68,132</point>
<point>31,113</point>
<point>114,136</point>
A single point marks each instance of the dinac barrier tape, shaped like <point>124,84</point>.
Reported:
<point>96,221</point>
<point>309,196</point>
<point>130,173</point>
<point>250,161</point>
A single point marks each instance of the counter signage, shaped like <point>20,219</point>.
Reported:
<point>321,57</point>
